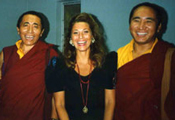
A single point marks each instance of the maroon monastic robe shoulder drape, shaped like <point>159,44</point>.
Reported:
<point>138,88</point>
<point>23,83</point>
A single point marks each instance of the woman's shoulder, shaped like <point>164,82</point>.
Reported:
<point>111,55</point>
<point>110,61</point>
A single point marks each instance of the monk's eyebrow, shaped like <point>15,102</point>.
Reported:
<point>148,18</point>
<point>26,22</point>
<point>33,23</point>
<point>36,24</point>
<point>135,18</point>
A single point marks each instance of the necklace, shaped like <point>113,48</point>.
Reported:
<point>85,109</point>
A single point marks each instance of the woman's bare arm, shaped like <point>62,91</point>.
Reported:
<point>109,104</point>
<point>59,99</point>
<point>54,114</point>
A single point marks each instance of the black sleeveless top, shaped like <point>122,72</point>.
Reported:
<point>61,78</point>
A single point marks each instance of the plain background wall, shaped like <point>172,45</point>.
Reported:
<point>10,11</point>
<point>113,15</point>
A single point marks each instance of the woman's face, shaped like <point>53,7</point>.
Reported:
<point>81,36</point>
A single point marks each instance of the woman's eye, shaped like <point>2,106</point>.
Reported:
<point>86,31</point>
<point>75,32</point>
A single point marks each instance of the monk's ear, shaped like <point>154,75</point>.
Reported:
<point>18,30</point>
<point>41,33</point>
<point>159,28</point>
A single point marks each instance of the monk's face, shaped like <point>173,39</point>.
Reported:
<point>30,29</point>
<point>143,26</point>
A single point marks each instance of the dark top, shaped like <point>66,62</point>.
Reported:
<point>61,78</point>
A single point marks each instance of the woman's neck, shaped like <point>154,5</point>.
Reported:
<point>83,57</point>
<point>84,63</point>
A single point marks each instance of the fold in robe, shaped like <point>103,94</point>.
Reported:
<point>138,88</point>
<point>23,83</point>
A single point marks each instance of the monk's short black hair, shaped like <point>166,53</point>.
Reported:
<point>156,8</point>
<point>38,14</point>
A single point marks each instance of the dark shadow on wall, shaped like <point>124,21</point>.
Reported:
<point>46,25</point>
<point>164,21</point>
<point>46,31</point>
<point>102,32</point>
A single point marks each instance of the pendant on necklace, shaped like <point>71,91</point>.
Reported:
<point>85,109</point>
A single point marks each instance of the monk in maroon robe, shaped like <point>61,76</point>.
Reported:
<point>141,66</point>
<point>22,87</point>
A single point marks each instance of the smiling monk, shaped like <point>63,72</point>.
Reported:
<point>23,66</point>
<point>141,66</point>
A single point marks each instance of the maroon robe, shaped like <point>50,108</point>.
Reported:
<point>23,83</point>
<point>138,88</point>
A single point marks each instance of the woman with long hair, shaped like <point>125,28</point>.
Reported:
<point>82,82</point>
